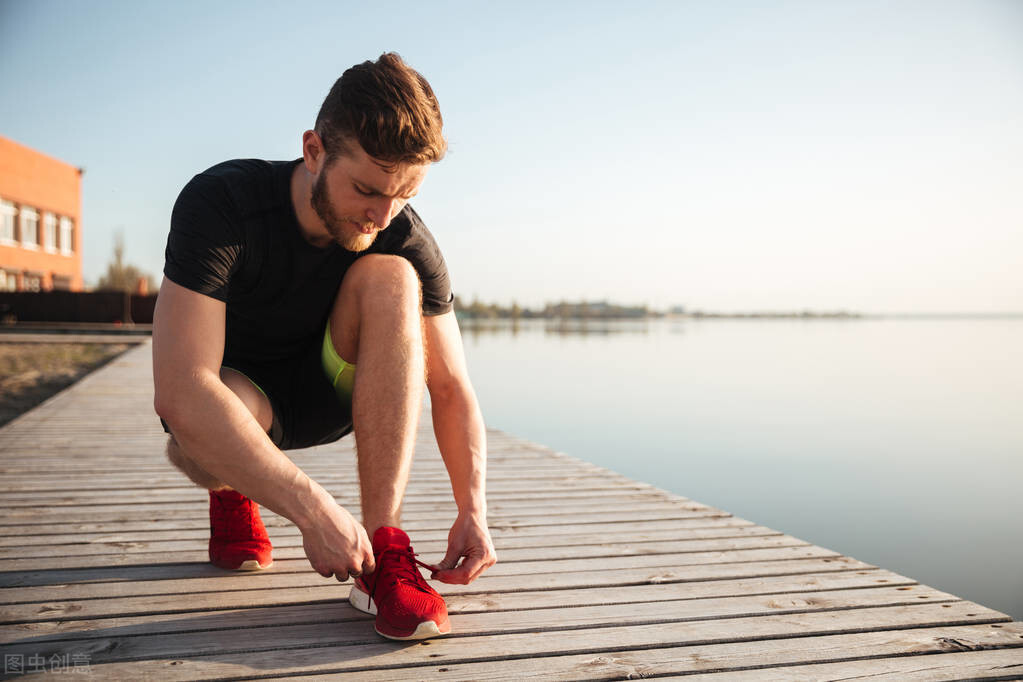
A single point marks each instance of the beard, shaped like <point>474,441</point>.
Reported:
<point>340,228</point>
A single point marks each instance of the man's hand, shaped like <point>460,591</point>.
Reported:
<point>336,544</point>
<point>468,540</point>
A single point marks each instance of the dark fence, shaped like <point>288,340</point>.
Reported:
<point>76,306</point>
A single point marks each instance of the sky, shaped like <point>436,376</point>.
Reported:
<point>725,156</point>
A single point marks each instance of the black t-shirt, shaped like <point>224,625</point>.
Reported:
<point>234,236</point>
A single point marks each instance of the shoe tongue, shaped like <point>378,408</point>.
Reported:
<point>386,536</point>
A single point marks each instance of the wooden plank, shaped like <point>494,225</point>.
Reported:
<point>177,499</point>
<point>417,506</point>
<point>555,565</point>
<point>196,577</point>
<point>352,646</point>
<point>510,487</point>
<point>146,452</point>
<point>277,524</point>
<point>329,461</point>
<point>866,655</point>
<point>168,613</point>
<point>519,617</point>
<point>89,590</point>
<point>196,499</point>
<point>139,423</point>
<point>435,507</point>
<point>1006,664</point>
<point>84,485</point>
<point>514,503</point>
<point>284,535</point>
<point>520,521</point>
<point>290,547</point>
<point>171,479</point>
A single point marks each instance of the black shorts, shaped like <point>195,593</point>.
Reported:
<point>307,409</point>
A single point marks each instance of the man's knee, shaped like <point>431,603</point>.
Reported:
<point>384,277</point>
<point>377,287</point>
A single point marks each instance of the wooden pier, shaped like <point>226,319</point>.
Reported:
<point>103,573</point>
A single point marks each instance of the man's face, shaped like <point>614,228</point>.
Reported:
<point>356,198</point>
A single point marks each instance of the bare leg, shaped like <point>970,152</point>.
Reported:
<point>376,324</point>
<point>258,405</point>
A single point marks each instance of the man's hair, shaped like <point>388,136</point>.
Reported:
<point>388,108</point>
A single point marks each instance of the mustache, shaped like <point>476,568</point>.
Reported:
<point>365,223</point>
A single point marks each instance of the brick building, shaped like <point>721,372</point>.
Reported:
<point>40,221</point>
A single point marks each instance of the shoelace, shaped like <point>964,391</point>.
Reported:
<point>402,564</point>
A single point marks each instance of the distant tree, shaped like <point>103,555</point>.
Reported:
<point>121,276</point>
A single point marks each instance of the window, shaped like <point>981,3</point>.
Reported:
<point>50,232</point>
<point>7,218</point>
<point>67,231</point>
<point>31,282</point>
<point>29,228</point>
<point>8,280</point>
<point>61,283</point>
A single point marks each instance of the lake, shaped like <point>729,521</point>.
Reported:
<point>897,441</point>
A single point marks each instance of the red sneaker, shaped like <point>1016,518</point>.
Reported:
<point>405,606</point>
<point>238,540</point>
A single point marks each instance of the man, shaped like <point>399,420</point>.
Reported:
<point>281,279</point>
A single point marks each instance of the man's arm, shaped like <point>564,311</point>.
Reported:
<point>215,429</point>
<point>461,436</point>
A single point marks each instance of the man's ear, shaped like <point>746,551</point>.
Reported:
<point>313,153</point>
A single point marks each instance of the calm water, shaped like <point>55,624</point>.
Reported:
<point>895,441</point>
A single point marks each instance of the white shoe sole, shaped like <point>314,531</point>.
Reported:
<point>253,565</point>
<point>361,601</point>
<point>424,630</point>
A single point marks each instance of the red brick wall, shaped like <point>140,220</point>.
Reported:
<point>29,178</point>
